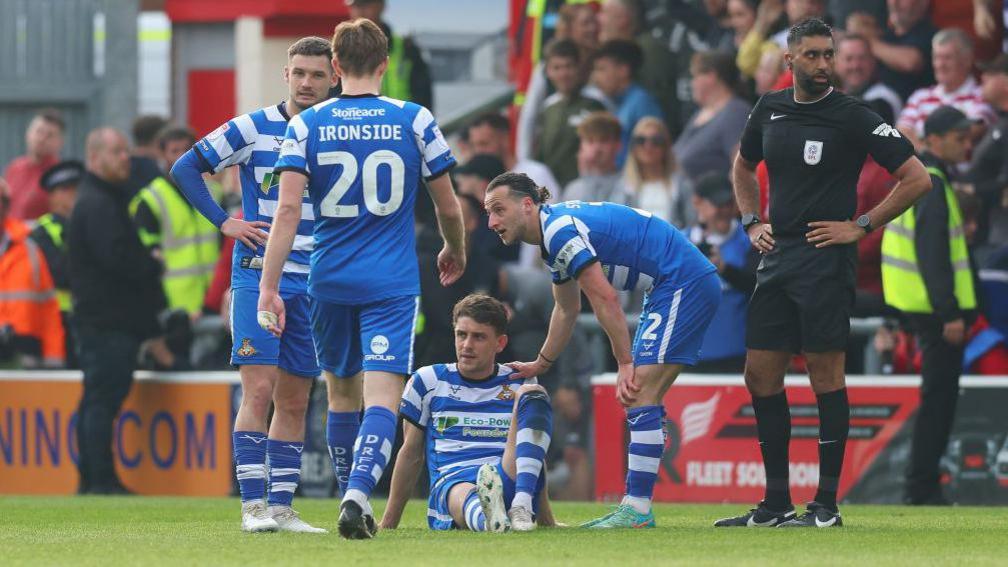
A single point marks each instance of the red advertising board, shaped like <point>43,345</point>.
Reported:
<point>712,453</point>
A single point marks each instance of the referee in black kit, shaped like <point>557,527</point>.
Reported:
<point>814,140</point>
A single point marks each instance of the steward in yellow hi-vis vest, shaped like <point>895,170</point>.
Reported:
<point>926,274</point>
<point>189,244</point>
<point>902,280</point>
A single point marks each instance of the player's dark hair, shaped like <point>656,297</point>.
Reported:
<point>311,46</point>
<point>359,47</point>
<point>621,51</point>
<point>483,309</point>
<point>145,129</point>
<point>495,120</point>
<point>564,48</point>
<point>600,125</point>
<point>720,63</point>
<point>174,132</point>
<point>812,27</point>
<point>520,185</point>
<point>52,116</point>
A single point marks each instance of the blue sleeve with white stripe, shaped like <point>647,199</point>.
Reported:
<point>569,249</point>
<point>437,156</point>
<point>294,149</point>
<point>230,144</point>
<point>414,406</point>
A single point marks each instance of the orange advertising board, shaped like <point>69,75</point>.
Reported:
<point>173,435</point>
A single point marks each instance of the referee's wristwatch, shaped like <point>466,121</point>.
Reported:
<point>864,221</point>
<point>748,220</point>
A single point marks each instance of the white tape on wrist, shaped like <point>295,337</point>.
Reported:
<point>267,319</point>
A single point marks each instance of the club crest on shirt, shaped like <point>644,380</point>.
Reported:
<point>506,394</point>
<point>813,152</point>
<point>246,348</point>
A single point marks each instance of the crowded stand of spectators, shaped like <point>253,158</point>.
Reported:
<point>638,102</point>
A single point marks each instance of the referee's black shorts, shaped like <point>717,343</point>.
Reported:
<point>803,299</point>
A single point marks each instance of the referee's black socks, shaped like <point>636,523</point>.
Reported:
<point>773,425</point>
<point>834,425</point>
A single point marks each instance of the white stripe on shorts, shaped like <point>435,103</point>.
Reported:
<point>669,325</point>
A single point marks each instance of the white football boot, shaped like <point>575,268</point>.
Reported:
<point>256,519</point>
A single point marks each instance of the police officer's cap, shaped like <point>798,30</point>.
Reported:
<point>65,173</point>
<point>946,119</point>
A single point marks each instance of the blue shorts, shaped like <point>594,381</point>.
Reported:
<point>674,320</point>
<point>439,516</point>
<point>293,351</point>
<point>373,336</point>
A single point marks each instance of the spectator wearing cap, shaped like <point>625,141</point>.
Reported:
<point>720,236</point>
<point>60,183</point>
<point>926,274</point>
<point>472,178</point>
<point>599,144</point>
<point>903,48</point>
<point>43,144</point>
<point>952,58</point>
<point>614,72</point>
<point>989,168</point>
<point>31,332</point>
<point>857,70</point>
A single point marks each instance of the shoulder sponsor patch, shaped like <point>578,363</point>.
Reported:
<point>218,132</point>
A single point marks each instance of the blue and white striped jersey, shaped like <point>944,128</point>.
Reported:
<point>252,142</point>
<point>466,421</point>
<point>633,246</point>
<point>364,157</point>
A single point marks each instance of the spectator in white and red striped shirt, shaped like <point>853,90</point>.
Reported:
<point>952,57</point>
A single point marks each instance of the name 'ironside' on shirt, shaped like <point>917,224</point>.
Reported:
<point>814,153</point>
<point>635,248</point>
<point>365,157</point>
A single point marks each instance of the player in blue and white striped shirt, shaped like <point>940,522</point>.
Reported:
<point>484,433</point>
<point>363,157</point>
<point>600,248</point>
<point>278,369</point>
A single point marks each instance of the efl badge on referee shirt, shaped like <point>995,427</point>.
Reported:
<point>506,393</point>
<point>813,152</point>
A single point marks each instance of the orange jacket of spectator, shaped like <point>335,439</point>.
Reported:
<point>27,296</point>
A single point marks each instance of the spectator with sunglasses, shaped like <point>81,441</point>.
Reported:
<point>651,177</point>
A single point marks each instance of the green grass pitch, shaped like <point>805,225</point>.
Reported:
<point>189,531</point>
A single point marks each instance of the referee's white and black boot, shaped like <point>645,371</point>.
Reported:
<point>255,518</point>
<point>289,521</point>
<point>816,516</point>
<point>758,517</point>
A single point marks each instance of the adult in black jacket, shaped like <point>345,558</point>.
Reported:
<point>117,294</point>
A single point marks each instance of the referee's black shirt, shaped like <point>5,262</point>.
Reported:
<point>814,153</point>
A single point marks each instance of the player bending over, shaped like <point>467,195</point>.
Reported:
<point>599,248</point>
<point>484,434</point>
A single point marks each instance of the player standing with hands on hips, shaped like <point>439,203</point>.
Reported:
<point>362,157</point>
<point>814,140</point>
